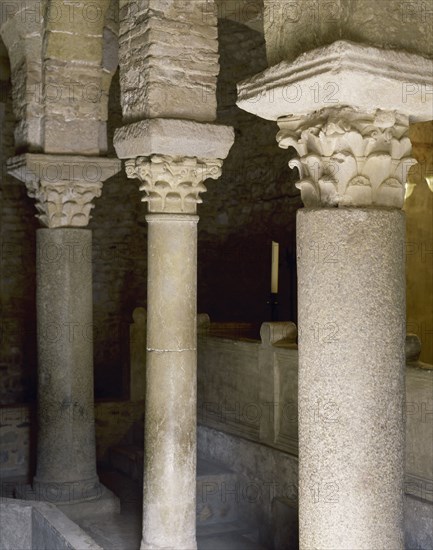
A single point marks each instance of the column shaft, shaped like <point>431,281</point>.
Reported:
<point>351,377</point>
<point>169,506</point>
<point>66,461</point>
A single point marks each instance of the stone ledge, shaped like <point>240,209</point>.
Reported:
<point>344,73</point>
<point>106,502</point>
<point>32,168</point>
<point>173,137</point>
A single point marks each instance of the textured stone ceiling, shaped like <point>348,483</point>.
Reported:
<point>247,12</point>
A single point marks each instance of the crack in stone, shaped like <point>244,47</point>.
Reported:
<point>170,350</point>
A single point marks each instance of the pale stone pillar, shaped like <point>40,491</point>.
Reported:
<point>172,186</point>
<point>168,82</point>
<point>64,187</point>
<point>171,397</point>
<point>351,320</point>
<point>349,125</point>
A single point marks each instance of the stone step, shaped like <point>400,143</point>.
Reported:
<point>234,527</point>
<point>123,532</point>
<point>227,541</point>
<point>217,493</point>
<point>217,487</point>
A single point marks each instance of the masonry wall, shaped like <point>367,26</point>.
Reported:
<point>253,203</point>
<point>17,272</point>
<point>419,241</point>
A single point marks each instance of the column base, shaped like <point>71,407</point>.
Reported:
<point>104,502</point>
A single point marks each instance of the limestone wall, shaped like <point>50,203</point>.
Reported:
<point>16,441</point>
<point>116,422</point>
<point>17,273</point>
<point>248,420</point>
<point>249,389</point>
<point>419,241</point>
<point>293,27</point>
<point>253,203</point>
<point>28,524</point>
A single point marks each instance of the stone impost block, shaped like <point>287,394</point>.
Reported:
<point>173,137</point>
<point>344,73</point>
<point>63,186</point>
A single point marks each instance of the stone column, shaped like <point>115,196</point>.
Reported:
<point>172,186</point>
<point>64,188</point>
<point>168,83</point>
<point>66,462</point>
<point>353,158</point>
<point>351,300</point>
<point>170,428</point>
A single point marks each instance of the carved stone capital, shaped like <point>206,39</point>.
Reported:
<point>63,186</point>
<point>173,184</point>
<point>347,158</point>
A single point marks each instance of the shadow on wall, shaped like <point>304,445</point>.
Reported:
<point>253,203</point>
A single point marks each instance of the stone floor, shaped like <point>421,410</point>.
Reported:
<point>123,532</point>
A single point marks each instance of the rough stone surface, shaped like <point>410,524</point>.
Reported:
<point>419,238</point>
<point>170,58</point>
<point>27,525</point>
<point>351,378</point>
<point>418,524</point>
<point>347,158</point>
<point>265,473</point>
<point>66,462</point>
<point>344,73</point>
<point>170,422</point>
<point>15,525</point>
<point>292,28</point>
<point>63,186</point>
<point>419,421</point>
<point>59,74</point>
<point>161,136</point>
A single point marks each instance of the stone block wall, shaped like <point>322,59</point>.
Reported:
<point>15,441</point>
<point>116,422</point>
<point>17,273</point>
<point>248,421</point>
<point>294,27</point>
<point>119,268</point>
<point>253,203</point>
<point>419,240</point>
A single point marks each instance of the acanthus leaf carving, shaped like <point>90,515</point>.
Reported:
<point>64,204</point>
<point>346,158</point>
<point>64,186</point>
<point>173,184</point>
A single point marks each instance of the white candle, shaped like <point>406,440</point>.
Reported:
<point>274,273</point>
